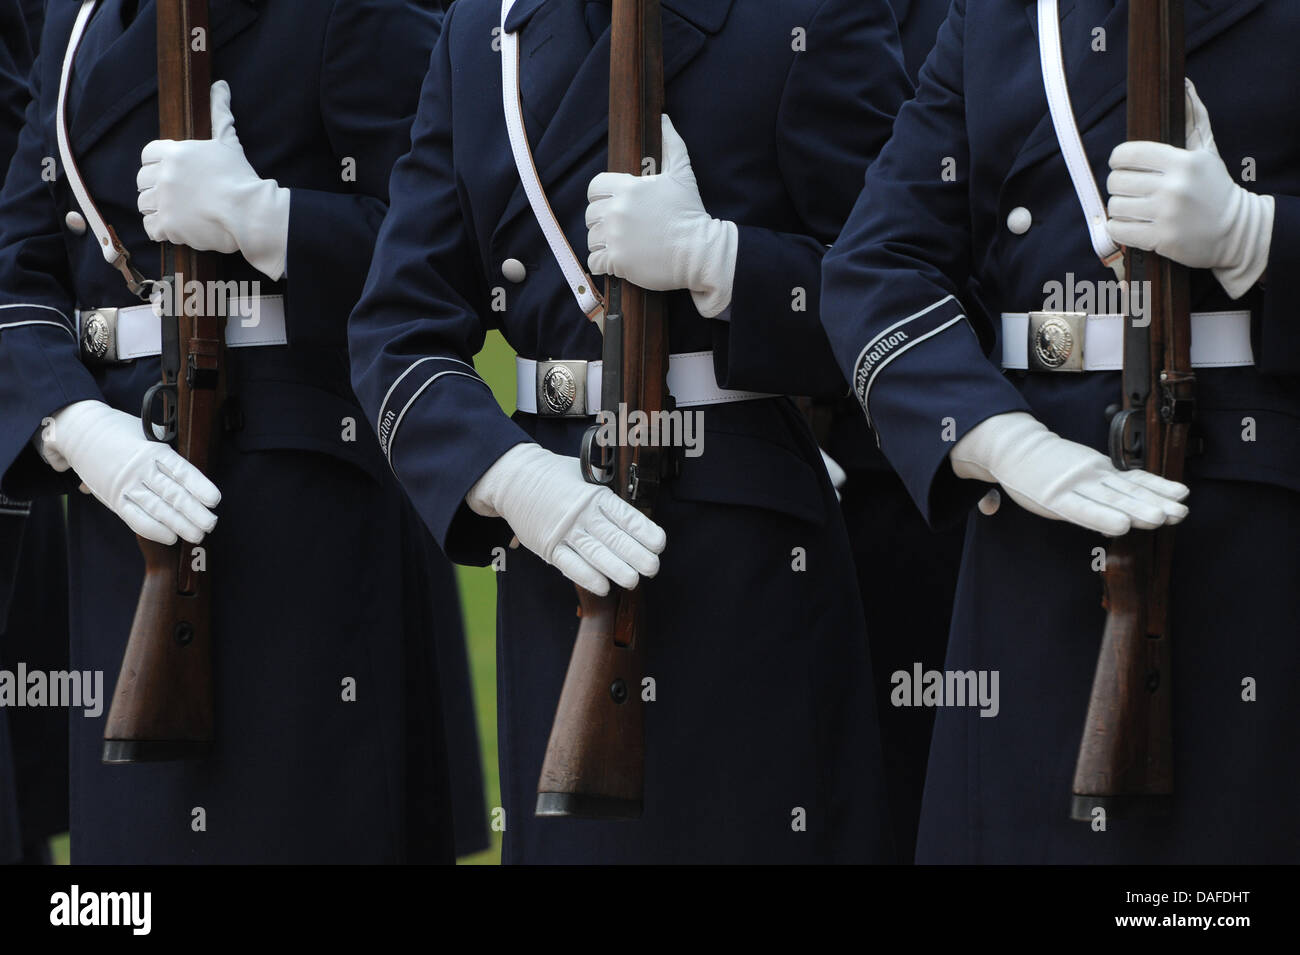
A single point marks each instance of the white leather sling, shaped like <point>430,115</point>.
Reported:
<point>1067,135</point>
<point>584,290</point>
<point>124,334</point>
<point>1219,339</point>
<point>691,378</point>
<point>115,253</point>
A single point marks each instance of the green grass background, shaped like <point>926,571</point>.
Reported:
<point>478,594</point>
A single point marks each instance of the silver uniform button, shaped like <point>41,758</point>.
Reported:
<point>75,222</point>
<point>514,270</point>
<point>1019,220</point>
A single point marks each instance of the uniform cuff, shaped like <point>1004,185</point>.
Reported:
<point>436,404</point>
<point>772,339</point>
<point>1278,351</point>
<point>334,234</point>
<point>925,382</point>
<point>40,372</point>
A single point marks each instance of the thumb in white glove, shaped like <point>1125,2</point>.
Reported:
<point>1183,204</point>
<point>653,231</point>
<point>584,530</point>
<point>839,477</point>
<point>1062,480</point>
<point>153,489</point>
<point>204,194</point>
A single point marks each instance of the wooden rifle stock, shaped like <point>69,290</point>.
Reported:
<point>595,759</point>
<point>1125,762</point>
<point>162,705</point>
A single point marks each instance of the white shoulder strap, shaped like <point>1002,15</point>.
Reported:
<point>115,253</point>
<point>579,281</point>
<point>1067,135</point>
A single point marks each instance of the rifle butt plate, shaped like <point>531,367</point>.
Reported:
<point>153,750</point>
<point>584,806</point>
<point>1125,806</point>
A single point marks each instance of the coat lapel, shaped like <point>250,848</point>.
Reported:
<point>547,71</point>
<point>127,75</point>
<point>1098,82</point>
<point>552,50</point>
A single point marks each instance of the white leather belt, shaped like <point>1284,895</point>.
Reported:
<point>1073,341</point>
<point>124,334</point>
<point>571,389</point>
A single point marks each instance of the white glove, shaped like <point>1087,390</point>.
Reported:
<point>584,530</point>
<point>153,489</point>
<point>654,232</point>
<point>1059,479</point>
<point>837,474</point>
<point>204,194</point>
<point>1183,204</point>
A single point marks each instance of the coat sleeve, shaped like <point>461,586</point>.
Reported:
<point>891,286</point>
<point>15,62</point>
<point>332,233</point>
<point>40,366</point>
<point>415,332</point>
<point>838,106</point>
<point>1279,333</point>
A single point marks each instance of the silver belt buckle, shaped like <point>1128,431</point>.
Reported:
<point>1056,340</point>
<point>562,389</point>
<point>99,336</point>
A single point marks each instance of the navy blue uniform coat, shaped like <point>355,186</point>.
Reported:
<point>1028,601</point>
<point>317,561</point>
<point>895,552</point>
<point>33,560</point>
<point>35,632</point>
<point>764,703</point>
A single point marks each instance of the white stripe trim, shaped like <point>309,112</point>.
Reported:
<point>1067,134</point>
<point>48,308</point>
<point>866,394</point>
<point>392,435</point>
<point>39,321</point>
<point>899,324</point>
<point>410,368</point>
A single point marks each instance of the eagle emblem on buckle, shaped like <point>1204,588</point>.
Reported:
<point>95,336</point>
<point>1056,341</point>
<point>559,389</point>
